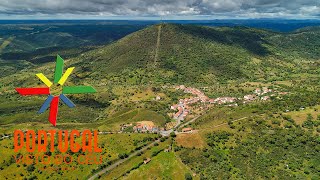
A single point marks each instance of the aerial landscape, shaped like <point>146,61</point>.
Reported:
<point>175,97</point>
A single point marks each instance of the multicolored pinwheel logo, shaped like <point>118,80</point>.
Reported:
<point>57,90</point>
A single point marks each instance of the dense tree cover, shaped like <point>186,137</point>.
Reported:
<point>293,102</point>
<point>204,55</point>
<point>39,39</point>
<point>266,152</point>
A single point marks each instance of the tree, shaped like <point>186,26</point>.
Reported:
<point>162,139</point>
<point>122,156</point>
<point>308,123</point>
<point>172,134</point>
<point>31,168</point>
<point>309,117</point>
<point>187,176</point>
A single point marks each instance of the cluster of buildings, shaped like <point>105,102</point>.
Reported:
<point>141,127</point>
<point>183,111</point>
<point>183,108</point>
<point>249,98</point>
<point>262,91</point>
<point>258,94</point>
<point>201,97</point>
<point>223,100</point>
<point>183,105</point>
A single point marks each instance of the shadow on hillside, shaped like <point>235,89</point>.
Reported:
<point>241,36</point>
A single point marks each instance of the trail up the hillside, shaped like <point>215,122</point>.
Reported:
<point>156,56</point>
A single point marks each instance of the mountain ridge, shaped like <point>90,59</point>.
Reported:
<point>204,54</point>
<point>197,54</point>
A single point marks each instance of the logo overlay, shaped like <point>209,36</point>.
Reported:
<point>37,146</point>
<point>56,90</point>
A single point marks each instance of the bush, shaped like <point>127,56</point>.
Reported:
<point>176,148</point>
<point>308,124</point>
<point>288,125</point>
<point>123,155</point>
<point>154,153</point>
<point>162,139</point>
<point>31,168</point>
<point>187,176</point>
<point>275,121</point>
<point>172,134</point>
<point>288,118</point>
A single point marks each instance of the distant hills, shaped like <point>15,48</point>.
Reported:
<point>274,24</point>
<point>175,53</point>
<point>32,42</point>
<point>25,45</point>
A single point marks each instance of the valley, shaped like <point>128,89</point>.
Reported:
<point>176,100</point>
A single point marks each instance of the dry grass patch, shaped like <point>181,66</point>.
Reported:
<point>190,140</point>
<point>300,116</point>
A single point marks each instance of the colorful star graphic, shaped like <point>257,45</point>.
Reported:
<point>53,100</point>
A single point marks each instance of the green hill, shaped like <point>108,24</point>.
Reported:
<point>204,54</point>
<point>251,141</point>
<point>193,54</point>
<point>197,56</point>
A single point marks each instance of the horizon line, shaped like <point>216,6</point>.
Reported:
<point>89,19</point>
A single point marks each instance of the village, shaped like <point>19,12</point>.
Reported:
<point>141,127</point>
<point>183,107</point>
<point>187,105</point>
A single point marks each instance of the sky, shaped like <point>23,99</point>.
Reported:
<point>157,9</point>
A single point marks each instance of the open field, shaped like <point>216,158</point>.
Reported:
<point>190,140</point>
<point>136,161</point>
<point>5,43</point>
<point>131,116</point>
<point>112,145</point>
<point>300,116</point>
<point>163,166</point>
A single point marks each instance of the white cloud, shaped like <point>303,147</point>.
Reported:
<point>152,8</point>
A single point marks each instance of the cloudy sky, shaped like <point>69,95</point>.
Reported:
<point>154,9</point>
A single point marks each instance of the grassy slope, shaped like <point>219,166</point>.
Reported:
<point>112,145</point>
<point>164,166</point>
<point>132,116</point>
